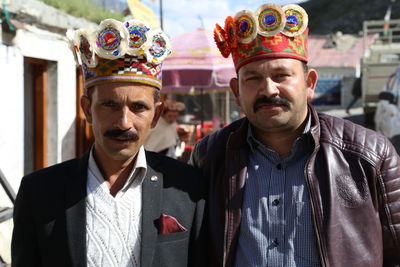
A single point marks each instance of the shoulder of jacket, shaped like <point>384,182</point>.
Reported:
<point>352,137</point>
<point>221,135</point>
<point>52,174</point>
<point>164,164</point>
<point>211,148</point>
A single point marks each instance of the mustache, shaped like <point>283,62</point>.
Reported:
<point>124,134</point>
<point>270,100</point>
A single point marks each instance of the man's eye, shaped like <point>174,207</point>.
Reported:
<point>139,107</point>
<point>108,104</point>
<point>282,75</point>
<point>251,78</point>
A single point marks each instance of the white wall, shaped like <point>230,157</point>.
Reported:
<point>11,132</point>
<point>42,45</point>
<point>34,43</point>
<point>11,116</point>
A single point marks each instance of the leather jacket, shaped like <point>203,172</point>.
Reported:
<point>353,180</point>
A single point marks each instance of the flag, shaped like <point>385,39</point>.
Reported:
<point>142,12</point>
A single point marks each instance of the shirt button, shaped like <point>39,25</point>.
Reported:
<point>275,242</point>
<point>275,202</point>
<point>279,166</point>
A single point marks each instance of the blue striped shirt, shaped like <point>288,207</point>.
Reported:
<point>276,227</point>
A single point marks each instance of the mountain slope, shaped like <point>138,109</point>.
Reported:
<point>347,16</point>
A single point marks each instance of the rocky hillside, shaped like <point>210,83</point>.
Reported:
<point>347,16</point>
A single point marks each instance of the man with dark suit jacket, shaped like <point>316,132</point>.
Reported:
<point>118,205</point>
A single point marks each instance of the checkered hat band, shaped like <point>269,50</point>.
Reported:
<point>143,79</point>
<point>128,69</point>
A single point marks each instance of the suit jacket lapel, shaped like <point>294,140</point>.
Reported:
<point>75,212</point>
<point>151,198</point>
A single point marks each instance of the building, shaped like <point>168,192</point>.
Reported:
<point>40,90</point>
<point>337,58</point>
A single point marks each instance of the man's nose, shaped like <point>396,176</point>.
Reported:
<point>124,120</point>
<point>269,88</point>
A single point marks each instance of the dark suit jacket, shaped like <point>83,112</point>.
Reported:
<point>50,215</point>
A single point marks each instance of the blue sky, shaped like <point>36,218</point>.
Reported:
<point>184,15</point>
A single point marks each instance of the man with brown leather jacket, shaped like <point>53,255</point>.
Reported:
<point>290,186</point>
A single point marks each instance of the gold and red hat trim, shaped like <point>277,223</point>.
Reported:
<point>270,32</point>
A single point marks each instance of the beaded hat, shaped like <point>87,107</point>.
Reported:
<point>270,32</point>
<point>120,52</point>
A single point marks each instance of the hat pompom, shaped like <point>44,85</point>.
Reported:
<point>271,19</point>
<point>139,39</point>
<point>111,39</point>
<point>220,40</point>
<point>296,20</point>
<point>230,32</point>
<point>247,26</point>
<point>160,47</point>
<point>85,48</point>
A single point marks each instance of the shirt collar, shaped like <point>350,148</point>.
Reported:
<point>254,143</point>
<point>137,174</point>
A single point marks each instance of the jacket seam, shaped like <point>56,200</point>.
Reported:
<point>361,155</point>
<point>338,141</point>
<point>230,220</point>
<point>229,217</point>
<point>386,203</point>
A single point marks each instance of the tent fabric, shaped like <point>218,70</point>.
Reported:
<point>196,64</point>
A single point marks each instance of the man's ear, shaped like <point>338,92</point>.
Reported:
<point>85,105</point>
<point>159,106</point>
<point>311,82</point>
<point>234,84</point>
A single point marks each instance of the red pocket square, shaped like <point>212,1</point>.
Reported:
<point>168,225</point>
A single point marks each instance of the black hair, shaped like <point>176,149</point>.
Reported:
<point>305,67</point>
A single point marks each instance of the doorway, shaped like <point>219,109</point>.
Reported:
<point>40,112</point>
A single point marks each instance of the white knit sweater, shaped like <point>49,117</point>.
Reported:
<point>113,225</point>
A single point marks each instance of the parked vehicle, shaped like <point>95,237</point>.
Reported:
<point>387,115</point>
<point>380,59</point>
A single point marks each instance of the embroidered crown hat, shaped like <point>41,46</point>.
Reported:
<point>271,31</point>
<point>120,52</point>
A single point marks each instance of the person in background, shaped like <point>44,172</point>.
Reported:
<point>289,186</point>
<point>118,205</point>
<point>164,138</point>
<point>356,92</point>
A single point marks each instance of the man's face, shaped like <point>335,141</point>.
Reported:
<point>121,115</point>
<point>170,116</point>
<point>273,93</point>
